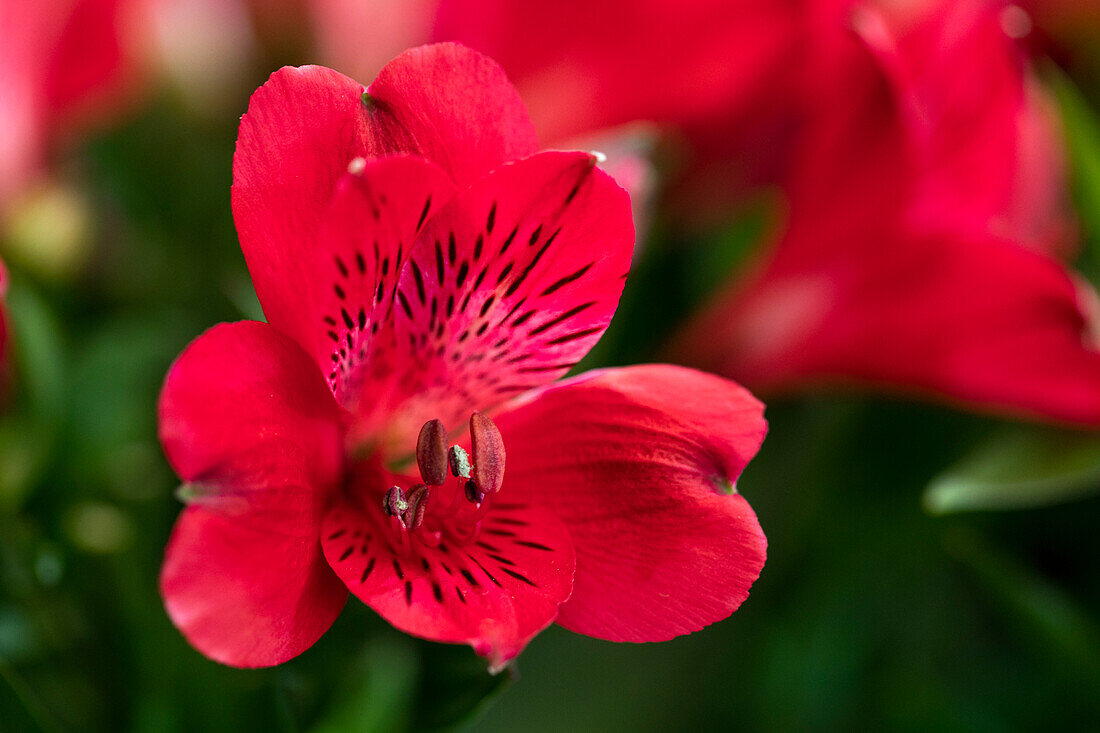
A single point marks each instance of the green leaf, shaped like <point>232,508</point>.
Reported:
<point>1021,467</point>
<point>30,423</point>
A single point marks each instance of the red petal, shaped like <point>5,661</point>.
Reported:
<point>451,105</point>
<point>888,273</point>
<point>303,130</point>
<point>640,462</point>
<point>703,66</point>
<point>361,37</point>
<point>975,319</point>
<point>495,593</point>
<point>333,291</point>
<point>245,416</point>
<point>506,289</point>
<point>978,120</point>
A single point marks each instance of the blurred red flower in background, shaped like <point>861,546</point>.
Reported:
<point>925,197</point>
<point>418,260</point>
<point>65,65</point>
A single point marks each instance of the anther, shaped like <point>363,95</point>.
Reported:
<point>488,449</point>
<point>460,462</point>
<point>395,503</point>
<point>431,453</point>
<point>474,495</point>
<point>417,505</point>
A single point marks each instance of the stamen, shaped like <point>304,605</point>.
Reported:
<point>488,449</point>
<point>474,495</point>
<point>395,503</point>
<point>431,453</point>
<point>460,462</point>
<point>417,506</point>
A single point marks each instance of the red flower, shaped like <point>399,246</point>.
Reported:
<point>63,65</point>
<point>912,258</point>
<point>418,261</point>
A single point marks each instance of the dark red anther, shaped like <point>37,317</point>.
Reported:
<point>395,503</point>
<point>417,505</point>
<point>474,495</point>
<point>431,453</point>
<point>488,448</point>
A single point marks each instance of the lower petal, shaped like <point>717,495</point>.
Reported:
<point>243,596</point>
<point>640,463</point>
<point>495,591</point>
<point>248,423</point>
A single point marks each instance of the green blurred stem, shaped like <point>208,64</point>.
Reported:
<point>36,710</point>
<point>1051,620</point>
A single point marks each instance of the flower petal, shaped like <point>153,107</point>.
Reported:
<point>494,593</point>
<point>451,105</point>
<point>332,292</point>
<point>307,127</point>
<point>506,289</point>
<point>247,422</point>
<point>640,463</point>
<point>972,318</point>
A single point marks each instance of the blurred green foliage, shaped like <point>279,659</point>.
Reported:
<point>869,614</point>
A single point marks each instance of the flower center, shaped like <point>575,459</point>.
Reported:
<point>457,489</point>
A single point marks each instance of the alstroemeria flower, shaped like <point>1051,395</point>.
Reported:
<point>913,255</point>
<point>421,267</point>
<point>64,64</point>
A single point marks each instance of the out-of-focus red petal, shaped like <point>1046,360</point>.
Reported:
<point>970,317</point>
<point>494,592</point>
<point>361,37</point>
<point>96,63</point>
<point>640,463</point>
<point>247,422</point>
<point>582,66</point>
<point>62,65</point>
<point>506,289</point>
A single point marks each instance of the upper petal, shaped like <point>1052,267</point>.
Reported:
<point>302,130</point>
<point>506,289</point>
<point>306,126</point>
<point>245,417</point>
<point>451,105</point>
<point>333,291</point>
<point>640,463</point>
